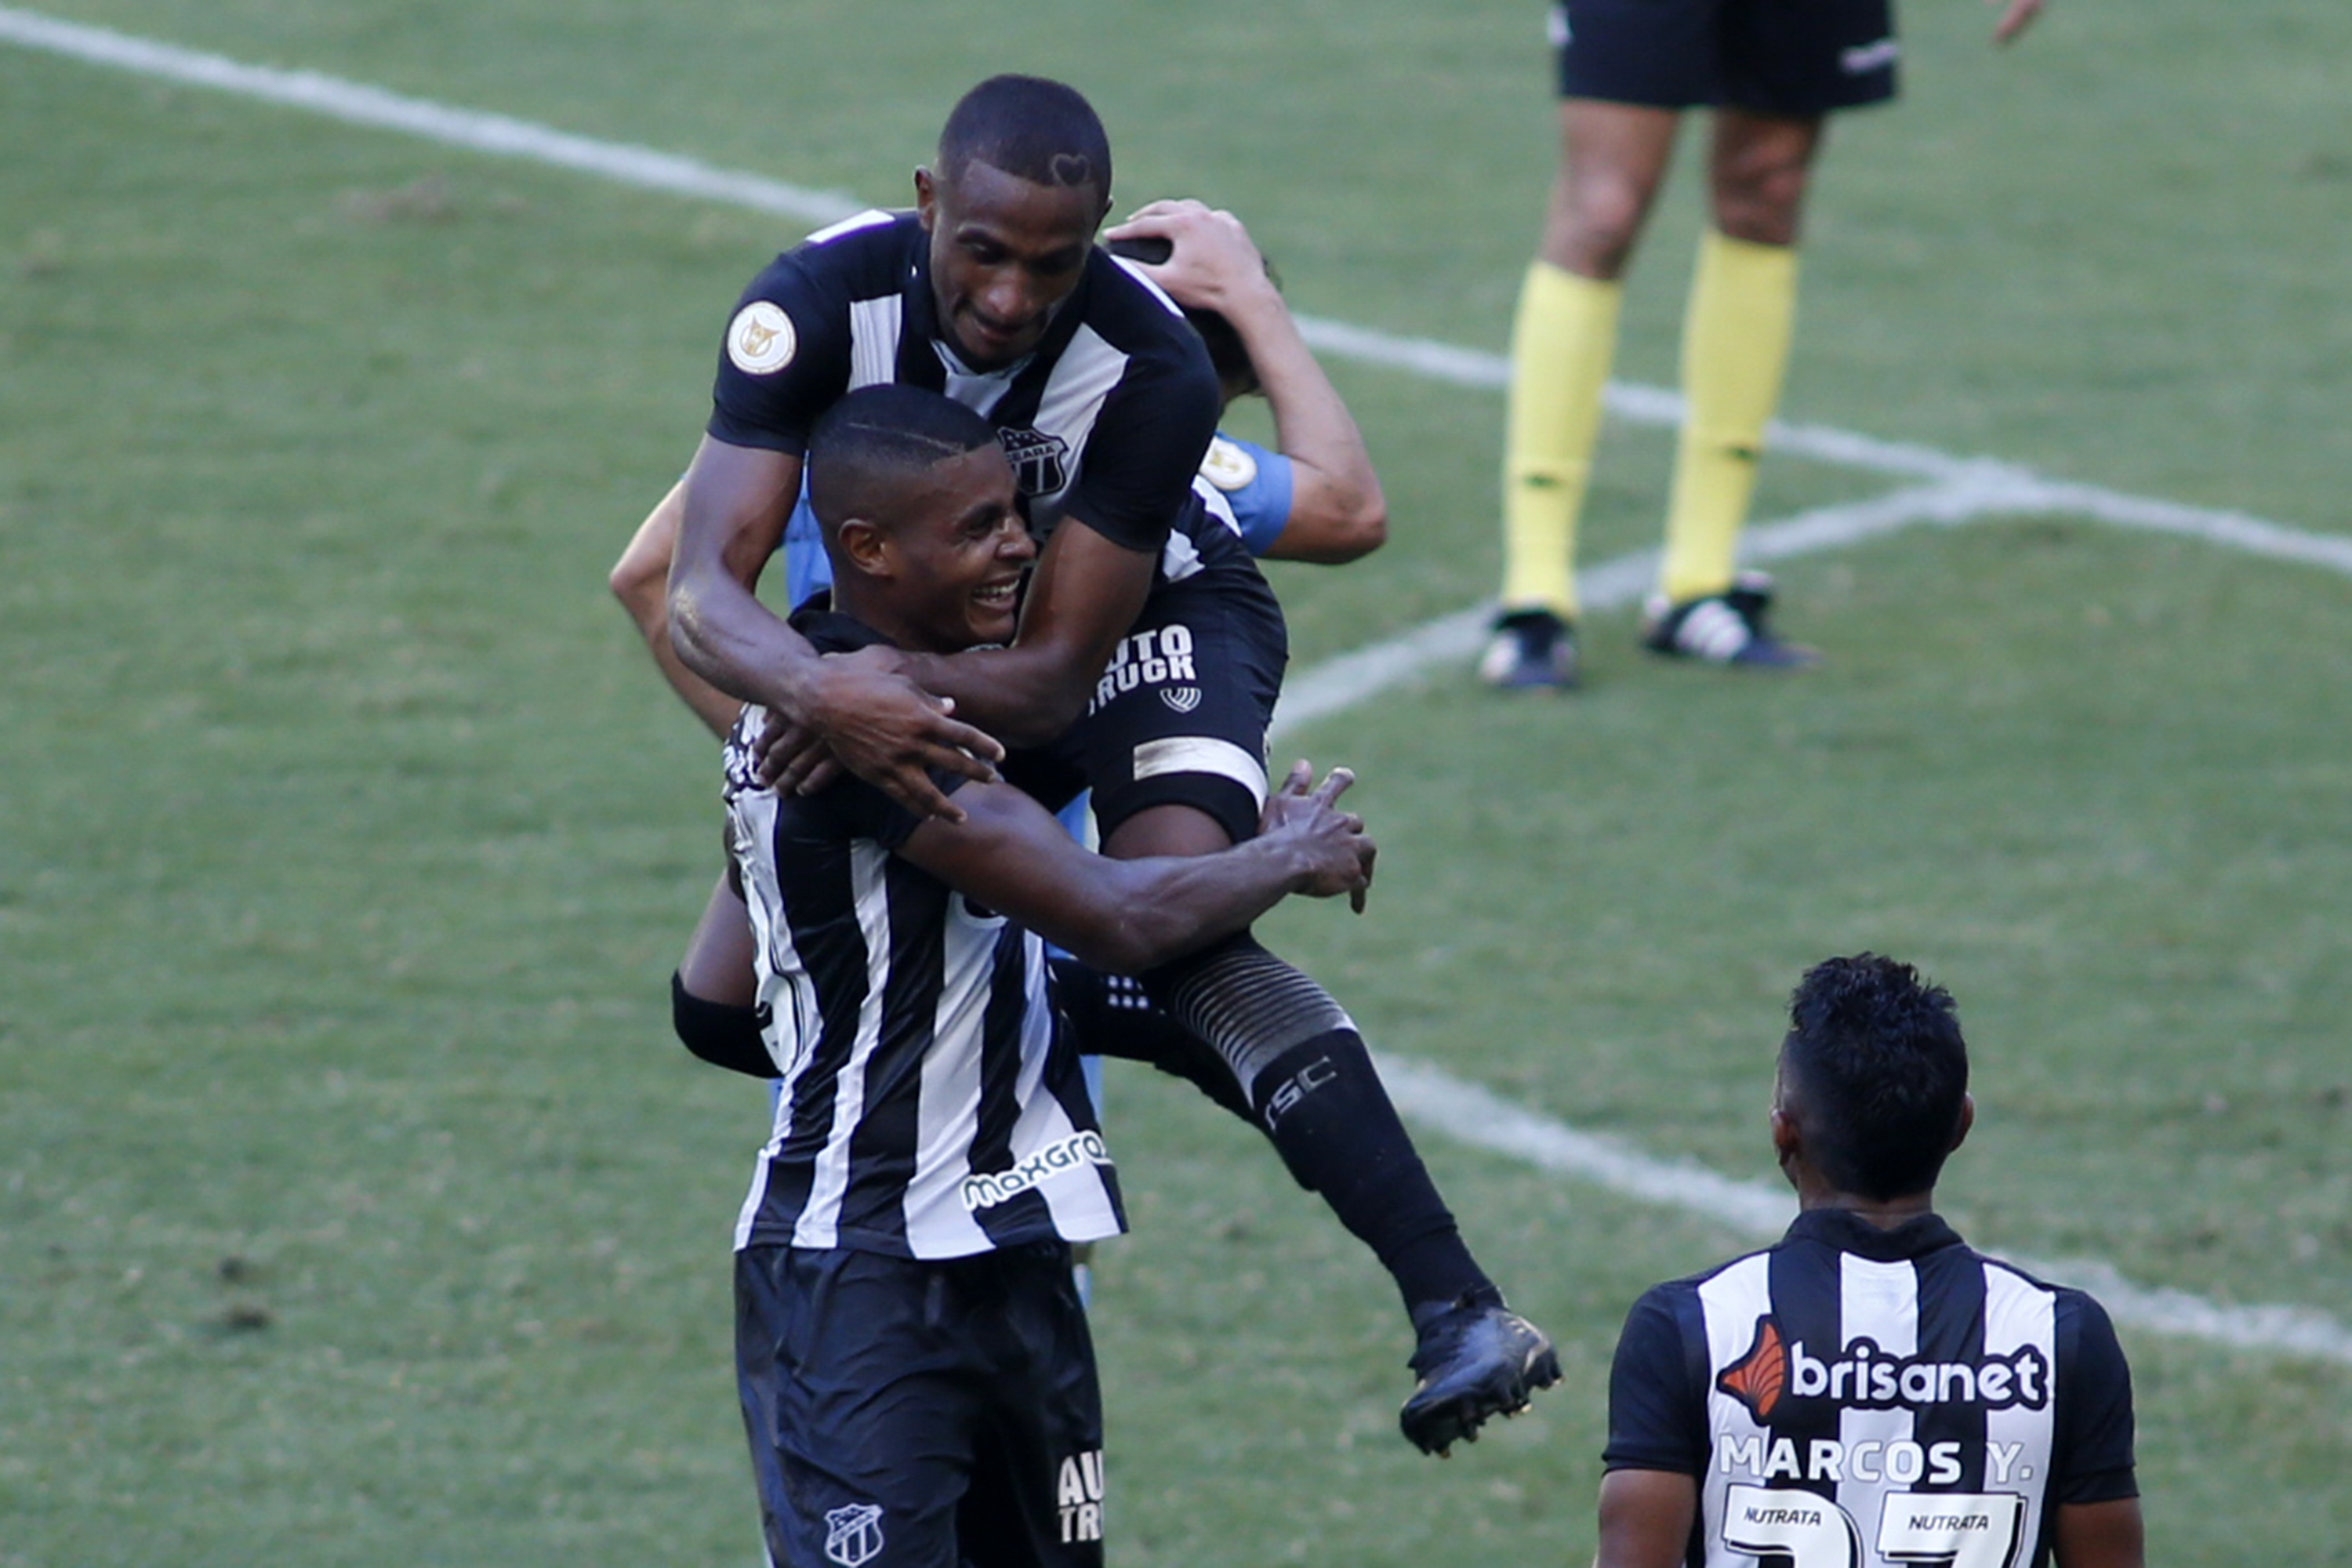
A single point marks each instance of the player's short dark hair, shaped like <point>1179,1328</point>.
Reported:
<point>1032,128</point>
<point>1227,353</point>
<point>878,434</point>
<point>1876,1059</point>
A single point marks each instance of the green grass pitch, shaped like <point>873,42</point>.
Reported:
<point>355,1208</point>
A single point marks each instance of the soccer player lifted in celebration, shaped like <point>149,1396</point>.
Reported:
<point>918,1380</point>
<point>1150,649</point>
<point>1869,1391</point>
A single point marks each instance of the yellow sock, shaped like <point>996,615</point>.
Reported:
<point>1736,336</point>
<point>1561,345</point>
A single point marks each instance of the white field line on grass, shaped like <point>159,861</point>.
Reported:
<point>357,103</point>
<point>1954,490</point>
<point>1973,490</point>
<point>1339,683</point>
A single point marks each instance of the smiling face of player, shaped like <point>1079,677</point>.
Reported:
<point>1005,255</point>
<point>944,572</point>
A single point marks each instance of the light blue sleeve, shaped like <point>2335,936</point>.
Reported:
<point>807,568</point>
<point>1261,503</point>
<point>1074,821</point>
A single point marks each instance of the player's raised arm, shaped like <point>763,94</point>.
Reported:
<point>1337,512</point>
<point>879,723</point>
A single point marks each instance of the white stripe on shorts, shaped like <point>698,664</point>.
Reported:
<point>1201,754</point>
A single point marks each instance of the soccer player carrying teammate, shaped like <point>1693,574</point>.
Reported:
<point>918,1380</point>
<point>1772,73</point>
<point>1149,651</point>
<point>1870,1390</point>
<point>1313,497</point>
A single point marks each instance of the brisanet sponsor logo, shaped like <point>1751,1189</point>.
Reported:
<point>1867,1378</point>
<point>1864,1377</point>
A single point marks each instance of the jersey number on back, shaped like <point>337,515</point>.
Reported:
<point>1964,1529</point>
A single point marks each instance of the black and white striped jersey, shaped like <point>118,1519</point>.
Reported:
<point>1855,1396</point>
<point>1106,420</point>
<point>929,1107</point>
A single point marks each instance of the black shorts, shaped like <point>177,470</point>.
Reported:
<point>1181,715</point>
<point>1797,57</point>
<point>921,1415</point>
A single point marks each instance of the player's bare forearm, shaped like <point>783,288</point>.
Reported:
<point>1024,695</point>
<point>640,581</point>
<point>864,714</point>
<point>728,640</point>
<point>1083,596</point>
<point>729,520</point>
<point>1337,512</point>
<point>717,711</point>
<point>1182,903</point>
<point>1127,916</point>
